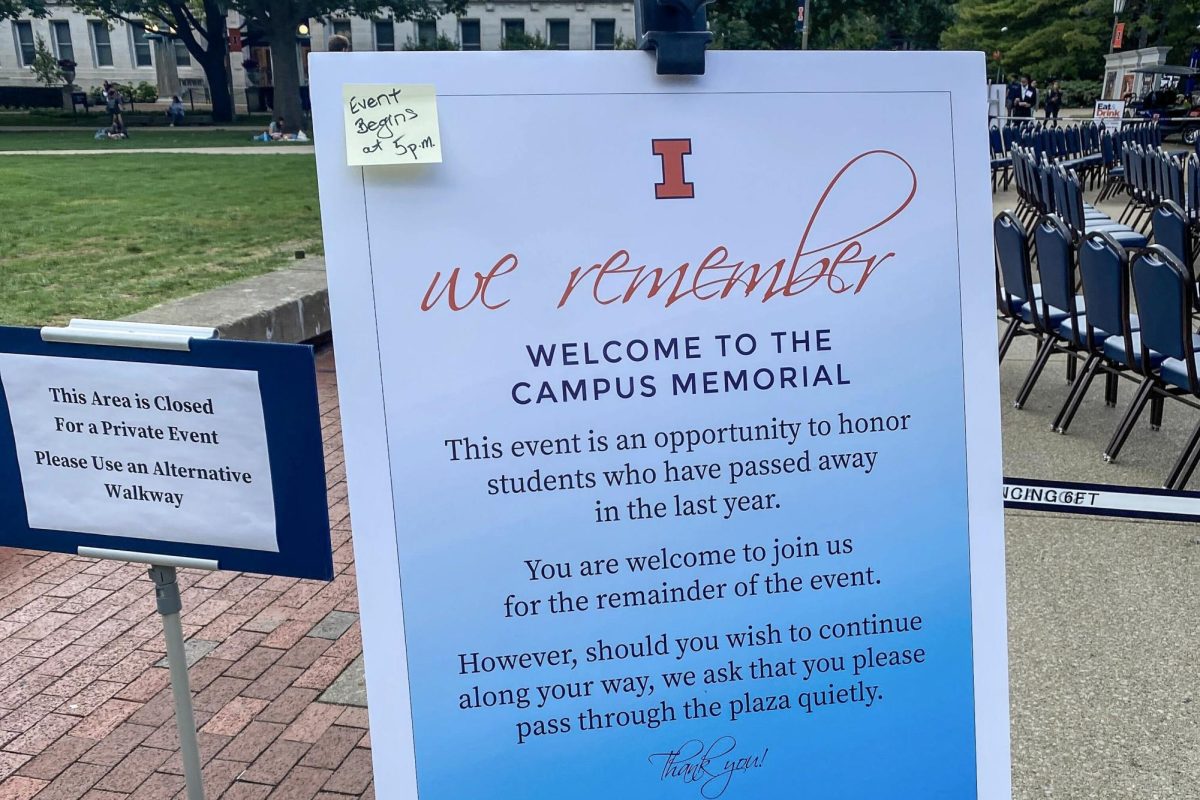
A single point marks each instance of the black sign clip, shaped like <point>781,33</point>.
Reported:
<point>677,30</point>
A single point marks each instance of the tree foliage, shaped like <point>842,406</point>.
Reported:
<point>278,20</point>
<point>1067,38</point>
<point>45,66</point>
<point>11,9</point>
<point>840,25</point>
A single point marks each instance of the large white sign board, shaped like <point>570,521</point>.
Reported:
<point>670,419</point>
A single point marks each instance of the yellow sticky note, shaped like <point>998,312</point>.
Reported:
<point>391,124</point>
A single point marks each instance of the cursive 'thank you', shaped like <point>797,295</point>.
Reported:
<point>711,766</point>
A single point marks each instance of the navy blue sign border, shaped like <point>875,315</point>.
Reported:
<point>291,411</point>
<point>1065,508</point>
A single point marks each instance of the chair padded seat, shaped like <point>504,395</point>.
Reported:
<point>1015,305</point>
<point>1001,162</point>
<point>1057,315</point>
<point>1174,371</point>
<point>1114,348</point>
<point>1123,234</point>
<point>1066,329</point>
<point>1130,238</point>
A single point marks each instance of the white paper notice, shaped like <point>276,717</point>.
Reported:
<point>148,451</point>
<point>391,124</point>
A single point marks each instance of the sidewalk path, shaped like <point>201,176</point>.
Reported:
<point>267,150</point>
<point>85,128</point>
<point>86,709</point>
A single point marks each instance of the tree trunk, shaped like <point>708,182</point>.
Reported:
<point>216,62</point>
<point>212,55</point>
<point>285,66</point>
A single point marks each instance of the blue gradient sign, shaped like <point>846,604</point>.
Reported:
<point>672,443</point>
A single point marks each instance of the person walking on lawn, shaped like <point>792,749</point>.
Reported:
<point>112,104</point>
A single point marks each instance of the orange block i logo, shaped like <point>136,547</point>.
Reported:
<point>671,153</point>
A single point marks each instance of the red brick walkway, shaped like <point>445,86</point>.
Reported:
<point>85,712</point>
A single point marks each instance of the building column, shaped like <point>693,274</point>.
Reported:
<point>166,70</point>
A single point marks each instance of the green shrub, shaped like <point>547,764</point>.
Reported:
<point>1080,94</point>
<point>524,41</point>
<point>144,93</point>
<point>443,42</point>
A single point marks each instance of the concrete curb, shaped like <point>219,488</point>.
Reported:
<point>287,305</point>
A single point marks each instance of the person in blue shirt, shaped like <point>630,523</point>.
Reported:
<point>175,111</point>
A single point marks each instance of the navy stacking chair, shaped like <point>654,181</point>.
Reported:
<point>1192,195</point>
<point>1162,290</point>
<point>1081,222</point>
<point>1172,233</point>
<point>1019,295</point>
<point>1108,330</point>
<point>1001,160</point>
<point>1165,295</point>
<point>1114,173</point>
<point>1172,178</point>
<point>1057,304</point>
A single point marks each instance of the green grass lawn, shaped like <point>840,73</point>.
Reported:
<point>82,236</point>
<point>149,137</point>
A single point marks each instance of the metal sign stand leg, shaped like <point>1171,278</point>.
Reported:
<point>166,592</point>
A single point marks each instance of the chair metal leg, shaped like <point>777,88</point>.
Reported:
<point>1111,388</point>
<point>1044,352</point>
<point>1078,391</point>
<point>1126,211</point>
<point>1185,465</point>
<point>1007,337</point>
<point>1129,420</point>
<point>1156,411</point>
<point>1071,366</point>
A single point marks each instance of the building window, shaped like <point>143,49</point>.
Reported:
<point>141,47</point>
<point>182,57</point>
<point>558,33</point>
<point>341,27</point>
<point>61,32</point>
<point>427,33</point>
<point>385,35</point>
<point>604,34</point>
<point>24,32</point>
<point>468,34</point>
<point>513,27</point>
<point>101,43</point>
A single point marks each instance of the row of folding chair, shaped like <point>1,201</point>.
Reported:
<point>1044,188</point>
<point>1078,146</point>
<point>1151,175</point>
<point>1144,132</point>
<point>1154,347</point>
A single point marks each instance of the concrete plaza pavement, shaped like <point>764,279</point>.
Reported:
<point>1103,612</point>
<point>85,703</point>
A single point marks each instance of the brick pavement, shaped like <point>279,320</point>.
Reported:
<point>86,709</point>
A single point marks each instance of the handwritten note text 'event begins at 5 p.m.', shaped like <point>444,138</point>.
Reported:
<point>391,124</point>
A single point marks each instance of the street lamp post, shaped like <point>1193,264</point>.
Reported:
<point>807,5</point>
<point>1118,10</point>
<point>1000,53</point>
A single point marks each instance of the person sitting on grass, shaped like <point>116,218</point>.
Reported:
<point>175,111</point>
